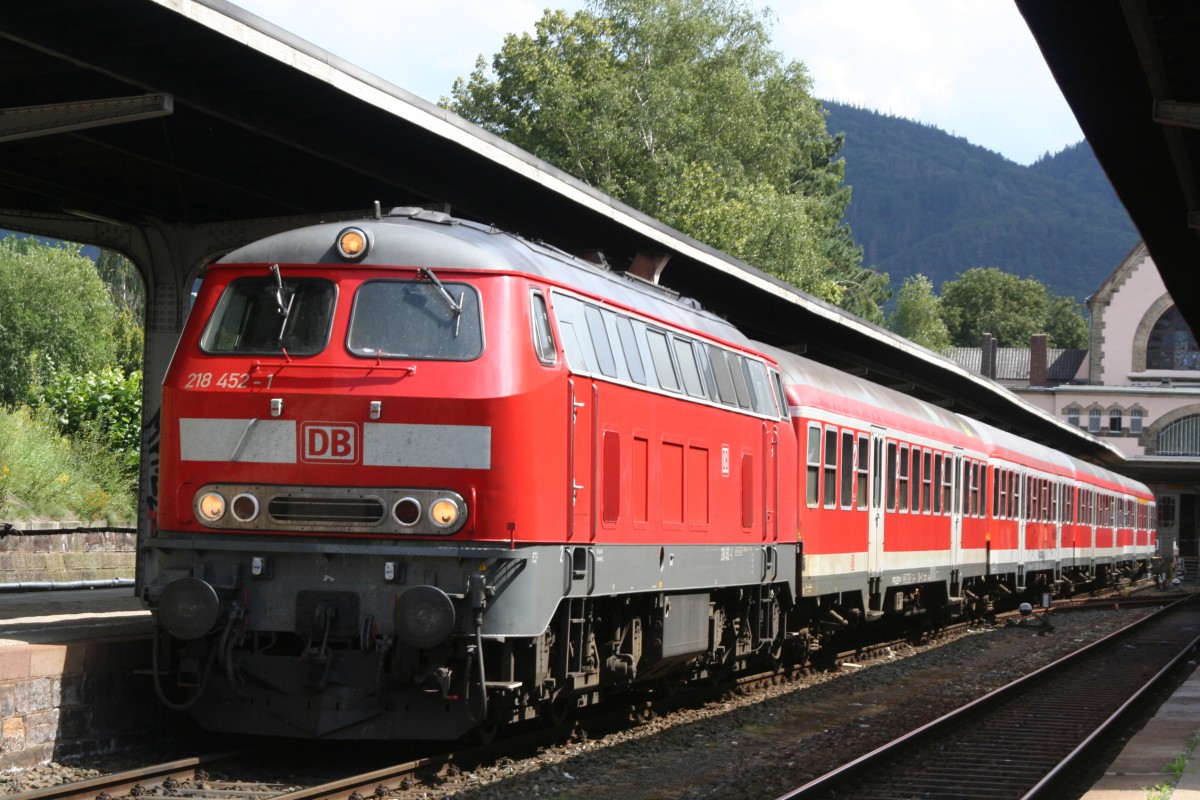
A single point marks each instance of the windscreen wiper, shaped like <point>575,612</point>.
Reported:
<point>455,307</point>
<point>284,309</point>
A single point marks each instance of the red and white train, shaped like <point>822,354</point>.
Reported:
<point>421,478</point>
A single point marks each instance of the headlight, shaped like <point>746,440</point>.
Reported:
<point>244,507</point>
<point>444,513</point>
<point>211,506</point>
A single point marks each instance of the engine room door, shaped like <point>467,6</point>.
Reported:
<point>581,467</point>
<point>770,482</point>
<point>878,468</point>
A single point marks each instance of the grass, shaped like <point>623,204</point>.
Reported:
<point>45,475</point>
<point>1176,768</point>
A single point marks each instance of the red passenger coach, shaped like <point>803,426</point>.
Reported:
<point>892,499</point>
<point>420,478</point>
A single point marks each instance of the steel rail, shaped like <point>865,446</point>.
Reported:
<point>1034,723</point>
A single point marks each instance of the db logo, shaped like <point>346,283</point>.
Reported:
<point>324,441</point>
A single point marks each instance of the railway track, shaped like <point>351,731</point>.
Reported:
<point>259,775</point>
<point>1025,739</point>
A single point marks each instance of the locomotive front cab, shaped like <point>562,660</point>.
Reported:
<point>339,438</point>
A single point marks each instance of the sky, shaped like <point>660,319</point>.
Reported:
<point>968,67</point>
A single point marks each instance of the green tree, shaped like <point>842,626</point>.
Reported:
<point>128,294</point>
<point>55,314</point>
<point>1066,324</point>
<point>681,109</point>
<point>988,300</point>
<point>918,315</point>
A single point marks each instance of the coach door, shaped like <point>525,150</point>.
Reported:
<point>581,480</point>
<point>957,480</point>
<point>879,470</point>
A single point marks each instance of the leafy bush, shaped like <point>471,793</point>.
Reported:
<point>102,407</point>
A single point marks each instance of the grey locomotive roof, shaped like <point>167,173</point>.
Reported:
<point>412,237</point>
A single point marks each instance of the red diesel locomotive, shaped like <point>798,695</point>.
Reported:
<point>421,478</point>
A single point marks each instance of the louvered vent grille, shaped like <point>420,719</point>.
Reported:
<point>326,510</point>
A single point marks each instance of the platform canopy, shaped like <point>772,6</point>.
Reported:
<point>176,130</point>
<point>1130,70</point>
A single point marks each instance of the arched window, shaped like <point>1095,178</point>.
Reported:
<point>1180,438</point>
<point>1114,421</point>
<point>1135,421</point>
<point>1093,420</point>
<point>1171,344</point>
<point>1073,416</point>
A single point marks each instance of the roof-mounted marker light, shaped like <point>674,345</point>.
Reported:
<point>353,243</point>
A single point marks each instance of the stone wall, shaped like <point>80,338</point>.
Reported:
<point>69,702</point>
<point>35,556</point>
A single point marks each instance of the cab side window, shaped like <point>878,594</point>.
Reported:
<point>543,333</point>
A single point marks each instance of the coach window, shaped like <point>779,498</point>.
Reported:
<point>863,455</point>
<point>812,490</point>
<point>633,358</point>
<point>965,486</point>
<point>543,333</point>
<point>1005,494</point>
<point>688,367</point>
<point>915,505</point>
<point>927,482</point>
<point>969,478</point>
<point>937,483</point>
<point>891,476</point>
<point>660,353</point>
<point>999,494</point>
<point>983,489</point>
<point>831,454</point>
<point>947,484</point>
<point>1014,496</point>
<point>847,469</point>
<point>1069,503</point>
<point>904,457</point>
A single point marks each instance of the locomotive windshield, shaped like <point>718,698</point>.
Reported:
<point>416,319</point>
<point>272,315</point>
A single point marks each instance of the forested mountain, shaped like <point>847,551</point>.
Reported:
<point>930,202</point>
